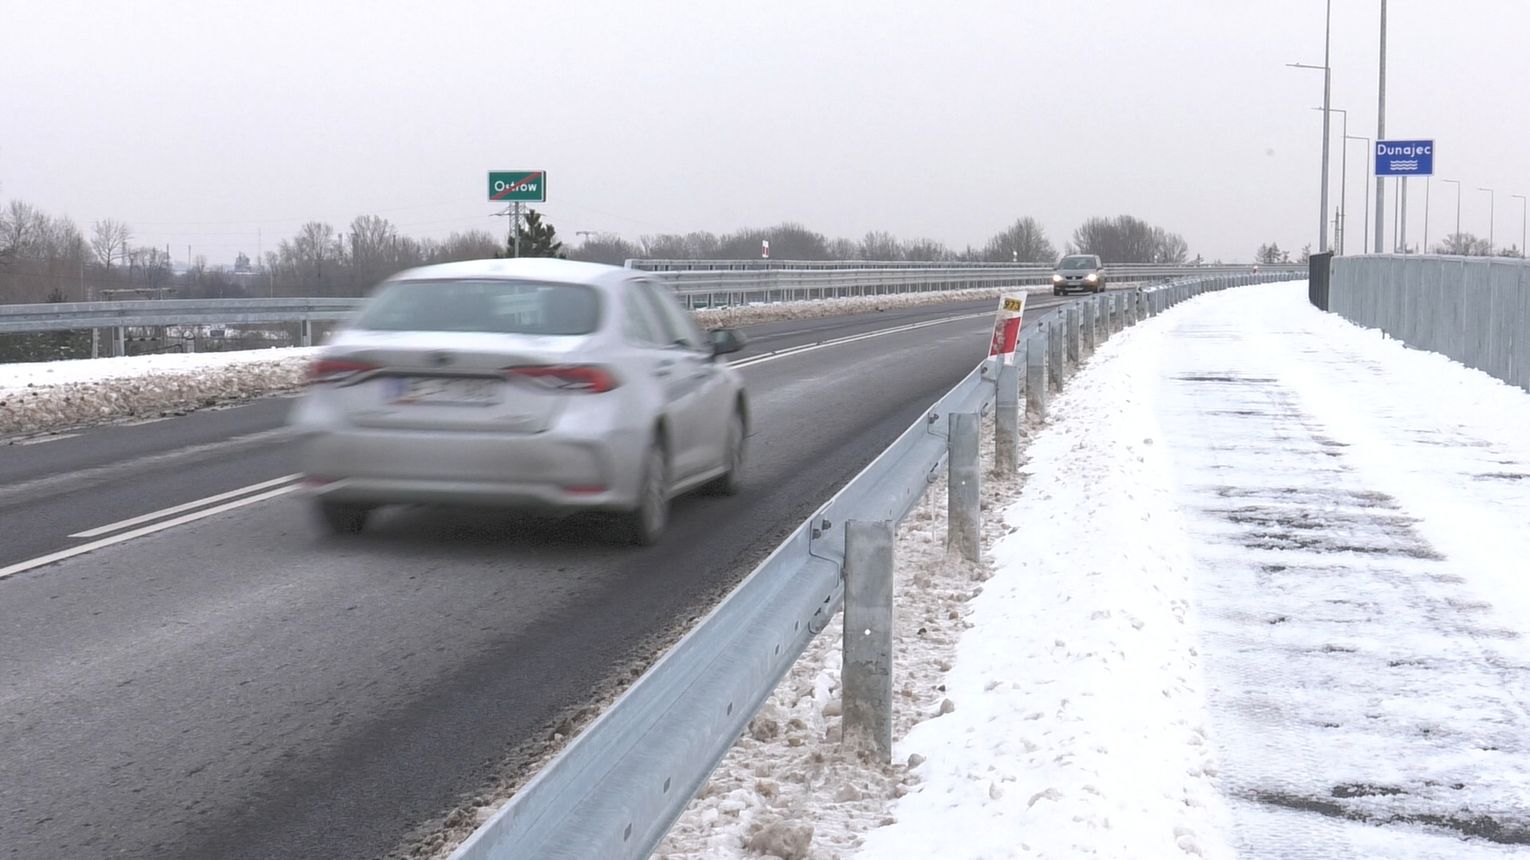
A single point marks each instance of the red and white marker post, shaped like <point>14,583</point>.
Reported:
<point>1006,327</point>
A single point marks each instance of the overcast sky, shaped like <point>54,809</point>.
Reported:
<point>224,125</point>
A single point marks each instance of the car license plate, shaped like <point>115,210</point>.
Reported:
<point>443,390</point>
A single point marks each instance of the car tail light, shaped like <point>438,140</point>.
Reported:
<point>336,369</point>
<point>585,378</point>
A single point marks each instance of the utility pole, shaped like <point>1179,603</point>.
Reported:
<point>1521,199</point>
<point>1424,248</point>
<point>1492,214</point>
<point>1366,196</point>
<point>1456,240</point>
<point>1381,128</point>
<point>1323,178</point>
<point>1327,75</point>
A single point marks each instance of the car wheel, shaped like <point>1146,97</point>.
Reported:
<point>732,481</point>
<point>343,519</point>
<point>1056,292</point>
<point>646,522</point>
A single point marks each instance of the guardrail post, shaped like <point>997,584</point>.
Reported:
<point>119,341</point>
<point>866,668</point>
<point>1131,309</point>
<point>1101,319</point>
<point>1006,420</point>
<point>306,335</point>
<point>1072,336</point>
<point>1086,326</point>
<point>1036,374</point>
<point>1055,364</point>
<point>962,485</point>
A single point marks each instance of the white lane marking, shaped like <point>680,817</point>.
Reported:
<point>138,533</point>
<point>44,439</point>
<point>171,511</point>
<point>797,350</point>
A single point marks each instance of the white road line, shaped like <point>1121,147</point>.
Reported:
<point>797,350</point>
<point>138,533</point>
<point>40,440</point>
<point>171,511</point>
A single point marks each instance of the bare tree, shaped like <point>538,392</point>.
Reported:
<point>109,240</point>
<point>1464,245</point>
<point>374,243</point>
<point>1125,239</point>
<point>926,251</point>
<point>880,245</point>
<point>19,227</point>
<point>471,245</point>
<point>607,248</point>
<point>1024,241</point>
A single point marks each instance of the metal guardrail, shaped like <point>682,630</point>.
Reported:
<point>619,785</point>
<point>1176,269</point>
<point>67,316</point>
<point>699,288</point>
<point>1475,310</point>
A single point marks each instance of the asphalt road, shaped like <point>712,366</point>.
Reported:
<point>239,685</point>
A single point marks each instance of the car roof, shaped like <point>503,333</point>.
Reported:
<point>524,268</point>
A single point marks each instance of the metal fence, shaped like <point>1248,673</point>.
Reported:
<point>620,784</point>
<point>1475,310</point>
<point>728,283</point>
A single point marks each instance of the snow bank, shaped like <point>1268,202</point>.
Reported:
<point>816,308</point>
<point>1079,727</point>
<point>43,397</point>
<point>1053,711</point>
<point>787,789</point>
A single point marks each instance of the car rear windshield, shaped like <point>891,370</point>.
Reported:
<point>494,306</point>
<point>1084,262</point>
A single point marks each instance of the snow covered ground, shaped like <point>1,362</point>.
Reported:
<point>44,397</point>
<point>1263,593</point>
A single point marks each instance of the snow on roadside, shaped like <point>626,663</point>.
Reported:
<point>787,789</point>
<point>1080,721</point>
<point>49,396</point>
<point>1054,711</point>
<point>44,397</point>
<point>817,308</point>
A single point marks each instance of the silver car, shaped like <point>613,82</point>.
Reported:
<point>1082,272</point>
<point>531,383</point>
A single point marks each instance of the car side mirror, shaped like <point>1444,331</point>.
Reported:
<point>726,340</point>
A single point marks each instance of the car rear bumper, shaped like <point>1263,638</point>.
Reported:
<point>500,470</point>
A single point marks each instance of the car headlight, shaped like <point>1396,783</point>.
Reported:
<point>1091,277</point>
<point>1057,279</point>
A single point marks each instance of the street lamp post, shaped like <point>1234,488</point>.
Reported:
<point>1492,214</point>
<point>1366,231</point>
<point>1456,182</point>
<point>1521,199</point>
<point>1343,179</point>
<point>1323,193</point>
<point>1327,78</point>
<point>1381,129</point>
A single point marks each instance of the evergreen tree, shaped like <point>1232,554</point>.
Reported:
<point>538,239</point>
